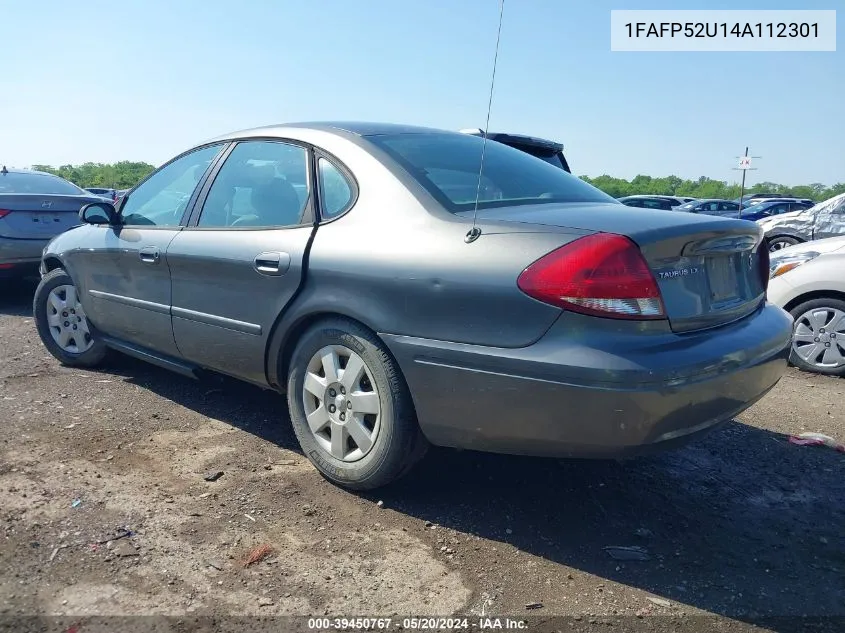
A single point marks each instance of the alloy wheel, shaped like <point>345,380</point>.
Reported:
<point>342,403</point>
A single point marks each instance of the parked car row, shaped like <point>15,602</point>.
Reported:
<point>787,221</point>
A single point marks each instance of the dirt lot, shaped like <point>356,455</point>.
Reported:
<point>741,525</point>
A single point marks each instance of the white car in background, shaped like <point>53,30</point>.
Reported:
<point>808,281</point>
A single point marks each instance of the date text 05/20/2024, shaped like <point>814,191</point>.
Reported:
<point>417,624</point>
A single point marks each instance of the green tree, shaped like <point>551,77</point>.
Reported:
<point>705,187</point>
<point>120,175</point>
<point>125,174</point>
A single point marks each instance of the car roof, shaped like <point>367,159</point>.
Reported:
<point>357,128</point>
<point>12,170</point>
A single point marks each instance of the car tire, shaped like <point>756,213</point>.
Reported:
<point>81,347</point>
<point>805,329</point>
<point>782,241</point>
<point>392,441</point>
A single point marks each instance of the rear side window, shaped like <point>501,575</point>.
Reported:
<point>17,182</point>
<point>447,166</point>
<point>335,190</point>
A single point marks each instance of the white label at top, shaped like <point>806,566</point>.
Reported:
<point>713,31</point>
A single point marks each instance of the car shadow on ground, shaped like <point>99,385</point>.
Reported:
<point>16,296</point>
<point>741,523</point>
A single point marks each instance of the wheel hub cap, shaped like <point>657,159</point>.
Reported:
<point>341,403</point>
<point>66,320</point>
<point>819,338</point>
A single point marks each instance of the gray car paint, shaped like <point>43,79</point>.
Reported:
<point>488,366</point>
<point>826,219</point>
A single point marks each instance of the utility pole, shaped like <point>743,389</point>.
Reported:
<point>744,166</point>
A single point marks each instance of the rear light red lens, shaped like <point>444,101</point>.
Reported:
<point>603,275</point>
<point>4,213</point>
<point>763,255</point>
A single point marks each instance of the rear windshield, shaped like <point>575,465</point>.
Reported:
<point>447,166</point>
<point>17,182</point>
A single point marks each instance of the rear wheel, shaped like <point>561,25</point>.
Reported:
<point>350,407</point>
<point>62,324</point>
<point>782,241</point>
<point>818,337</point>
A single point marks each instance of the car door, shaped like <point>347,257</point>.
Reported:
<point>830,221</point>
<point>240,260</point>
<point>125,276</point>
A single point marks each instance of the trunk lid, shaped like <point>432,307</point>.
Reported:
<point>708,268</point>
<point>40,216</point>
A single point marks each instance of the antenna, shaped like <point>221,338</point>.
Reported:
<point>474,233</point>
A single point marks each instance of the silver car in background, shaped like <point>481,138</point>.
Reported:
<point>826,219</point>
<point>34,207</point>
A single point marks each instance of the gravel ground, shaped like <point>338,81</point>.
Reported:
<point>740,525</point>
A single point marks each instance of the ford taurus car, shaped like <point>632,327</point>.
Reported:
<point>361,269</point>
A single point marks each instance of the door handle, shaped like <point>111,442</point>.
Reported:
<point>149,255</point>
<point>272,263</point>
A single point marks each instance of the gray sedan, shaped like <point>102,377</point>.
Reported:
<point>34,207</point>
<point>400,299</point>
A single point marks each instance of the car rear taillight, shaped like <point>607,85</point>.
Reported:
<point>603,275</point>
<point>765,262</point>
<point>4,213</point>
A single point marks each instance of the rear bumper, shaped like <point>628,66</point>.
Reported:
<point>607,396</point>
<point>18,257</point>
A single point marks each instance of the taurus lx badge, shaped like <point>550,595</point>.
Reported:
<point>678,272</point>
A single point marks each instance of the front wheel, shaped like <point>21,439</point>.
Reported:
<point>62,324</point>
<point>818,336</point>
<point>777,243</point>
<point>350,407</point>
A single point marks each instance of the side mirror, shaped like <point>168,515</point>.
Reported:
<point>98,213</point>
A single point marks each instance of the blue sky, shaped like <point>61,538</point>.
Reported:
<point>144,79</point>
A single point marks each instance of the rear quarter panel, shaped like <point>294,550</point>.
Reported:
<point>399,263</point>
